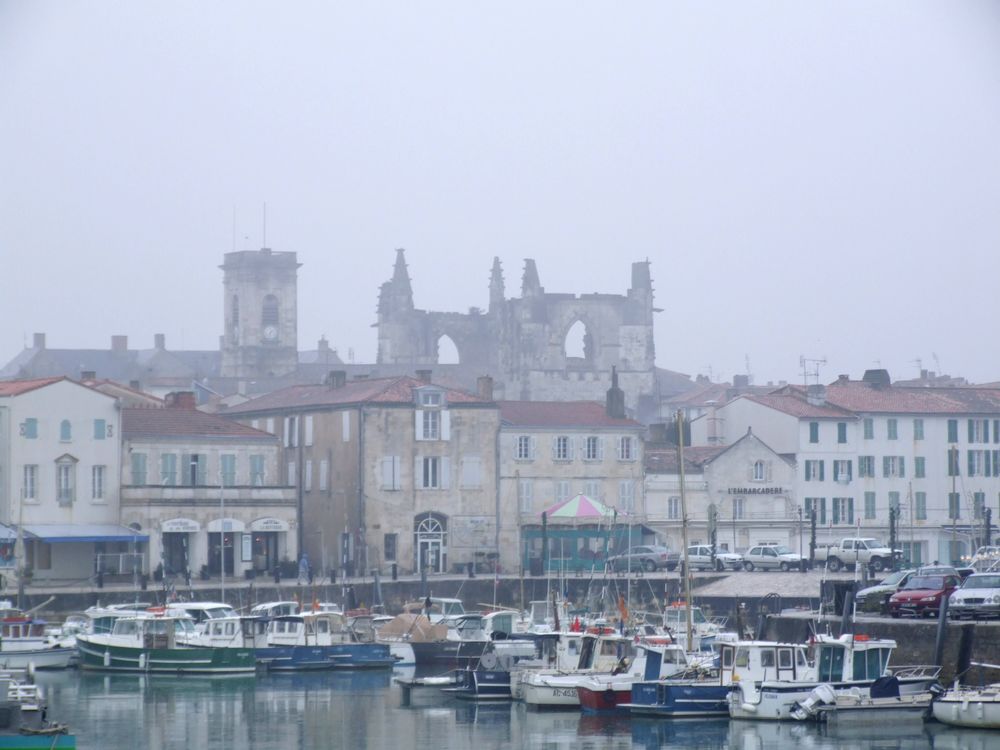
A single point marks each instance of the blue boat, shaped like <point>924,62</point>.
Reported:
<point>489,679</point>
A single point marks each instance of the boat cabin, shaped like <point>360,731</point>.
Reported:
<point>275,609</point>
<point>763,660</point>
<point>604,651</point>
<point>153,632</point>
<point>308,629</point>
<point>852,657</point>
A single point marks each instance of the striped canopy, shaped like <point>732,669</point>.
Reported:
<point>579,507</point>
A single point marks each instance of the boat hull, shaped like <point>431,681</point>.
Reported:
<point>43,658</point>
<point>480,685</point>
<point>602,701</point>
<point>680,700</point>
<point>337,656</point>
<point>968,709</point>
<point>95,655</point>
<point>36,742</point>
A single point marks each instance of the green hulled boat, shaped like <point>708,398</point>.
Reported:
<point>151,644</point>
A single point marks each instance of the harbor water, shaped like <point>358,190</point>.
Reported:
<point>354,710</point>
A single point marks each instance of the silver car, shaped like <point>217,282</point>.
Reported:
<point>771,557</point>
<point>700,558</point>
<point>979,596</point>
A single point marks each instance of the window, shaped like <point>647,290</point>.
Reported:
<point>428,425</point>
<point>954,506</point>
<point>817,505</point>
<point>920,506</point>
<point>977,463</point>
<point>918,429</point>
<point>389,547</point>
<point>869,505</point>
<point>759,473</point>
<point>391,469</point>
<point>814,432</point>
<point>269,311</point>
<point>345,427</point>
<point>562,490</point>
<point>100,429</point>
<point>523,448</point>
<point>843,510</point>
<point>324,475</point>
<point>65,431</point>
<point>291,432</point>
<point>29,428</point>
<point>593,450</point>
<point>995,463</point>
<point>472,472</point>
<point>869,427</point>
<point>952,430</point>
<point>953,462</point>
<point>292,474</point>
<point>814,471</point>
<point>893,466</point>
<point>430,475</point>
<point>431,398</point>
<point>673,508</point>
<point>979,430</point>
<point>919,467</point>
<point>307,480</point>
<point>841,432</point>
<point>626,495</point>
<point>270,425</point>
<point>97,483</point>
<point>592,489</point>
<point>138,469</point>
<point>626,448</point>
<point>257,470</point>
<point>227,465</point>
<point>66,481</point>
<point>739,504</point>
<point>978,505</point>
<point>30,483</point>
<point>842,471</point>
<point>892,429</point>
<point>562,448</point>
<point>866,466</point>
<point>168,469</point>
<point>193,468</point>
<point>894,501</point>
<point>525,488</point>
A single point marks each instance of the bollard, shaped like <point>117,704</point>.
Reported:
<point>468,567</point>
<point>144,581</point>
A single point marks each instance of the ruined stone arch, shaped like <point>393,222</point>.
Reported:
<point>578,342</point>
<point>446,349</point>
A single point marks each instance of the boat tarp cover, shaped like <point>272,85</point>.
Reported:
<point>413,627</point>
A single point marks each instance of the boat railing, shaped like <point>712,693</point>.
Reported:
<point>918,671</point>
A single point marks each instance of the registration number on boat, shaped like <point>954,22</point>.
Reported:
<point>564,692</point>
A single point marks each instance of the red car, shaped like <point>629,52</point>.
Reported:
<point>922,595</point>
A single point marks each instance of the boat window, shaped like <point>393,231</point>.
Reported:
<point>870,664</point>
<point>800,658</point>
<point>503,623</point>
<point>697,617</point>
<point>609,648</point>
<point>310,627</point>
<point>784,658</point>
<point>186,625</point>
<point>742,657</point>
<point>324,626</point>
<point>674,656</point>
<point>767,658</point>
<point>157,627</point>
<point>216,628</point>
<point>230,628</point>
<point>573,645</point>
<point>727,658</point>
<point>126,627</point>
<point>6,631</point>
<point>279,626</point>
<point>831,664</point>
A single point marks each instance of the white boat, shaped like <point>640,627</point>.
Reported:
<point>557,651</point>
<point>606,691</point>
<point>973,707</point>
<point>200,612</point>
<point>600,652</point>
<point>24,641</point>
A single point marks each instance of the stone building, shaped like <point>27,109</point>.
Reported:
<point>522,341</point>
<point>389,471</point>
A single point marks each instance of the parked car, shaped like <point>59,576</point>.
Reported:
<point>876,598</point>
<point>978,596</point>
<point>700,558</point>
<point>852,551</point>
<point>647,557</point>
<point>922,595</point>
<point>771,557</point>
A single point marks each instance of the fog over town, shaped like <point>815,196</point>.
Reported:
<point>813,180</point>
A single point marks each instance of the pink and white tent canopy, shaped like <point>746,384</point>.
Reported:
<point>579,508</point>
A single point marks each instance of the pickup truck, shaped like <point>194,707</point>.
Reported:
<point>854,551</point>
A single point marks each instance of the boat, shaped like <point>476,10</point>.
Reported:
<point>705,691</point>
<point>972,707</point>
<point>200,612</point>
<point>24,641</point>
<point>320,640</point>
<point>24,722</point>
<point>448,643</point>
<point>151,644</point>
<point>848,663</point>
<point>880,703</point>
<point>600,651</point>
<point>607,691</point>
<point>490,679</point>
<point>555,651</point>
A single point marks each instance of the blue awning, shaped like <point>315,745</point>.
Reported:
<point>84,532</point>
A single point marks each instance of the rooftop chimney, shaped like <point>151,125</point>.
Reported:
<point>323,345</point>
<point>39,341</point>
<point>336,379</point>
<point>180,400</point>
<point>615,406</point>
<point>159,341</point>
<point>424,375</point>
<point>843,378</point>
<point>741,381</point>
<point>877,378</point>
<point>119,343</point>
<point>816,394</point>
<point>484,387</point>
<point>135,385</point>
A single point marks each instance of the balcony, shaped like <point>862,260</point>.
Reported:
<point>206,495</point>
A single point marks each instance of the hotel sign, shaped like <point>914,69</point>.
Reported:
<point>757,491</point>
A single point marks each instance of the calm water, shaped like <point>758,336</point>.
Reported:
<point>362,710</point>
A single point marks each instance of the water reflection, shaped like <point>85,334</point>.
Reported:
<point>362,710</point>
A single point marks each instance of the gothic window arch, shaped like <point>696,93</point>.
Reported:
<point>578,343</point>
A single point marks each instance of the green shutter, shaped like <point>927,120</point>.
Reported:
<point>972,433</point>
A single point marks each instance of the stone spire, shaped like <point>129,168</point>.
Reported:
<point>530,285</point>
<point>396,295</point>
<point>497,291</point>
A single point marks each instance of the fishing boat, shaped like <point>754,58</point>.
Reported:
<point>24,641</point>
<point>151,644</point>
<point>848,663</point>
<point>876,705</point>
<point>490,679</point>
<point>321,640</point>
<point>603,692</point>
<point>602,651</point>
<point>973,707</point>
<point>555,651</point>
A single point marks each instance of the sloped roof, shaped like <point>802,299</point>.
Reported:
<point>796,405</point>
<point>559,414</point>
<point>386,391</point>
<point>663,460</point>
<point>17,387</point>
<point>863,397</point>
<point>150,422</point>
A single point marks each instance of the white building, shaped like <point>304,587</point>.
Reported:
<point>60,456</point>
<point>863,447</point>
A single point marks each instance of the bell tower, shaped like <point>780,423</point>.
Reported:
<point>260,338</point>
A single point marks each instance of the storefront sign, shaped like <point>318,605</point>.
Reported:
<point>180,526</point>
<point>757,491</point>
<point>269,524</point>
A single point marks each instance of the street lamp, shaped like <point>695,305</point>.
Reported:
<point>222,531</point>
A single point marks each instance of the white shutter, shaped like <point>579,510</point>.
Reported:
<point>309,475</point>
<point>418,473</point>
<point>445,424</point>
<point>600,448</point>
<point>555,443</point>
<point>288,432</point>
<point>569,447</point>
<point>531,446</point>
<point>418,425</point>
<point>345,426</point>
<point>387,466</point>
<point>445,472</point>
<point>309,429</point>
<point>397,470</point>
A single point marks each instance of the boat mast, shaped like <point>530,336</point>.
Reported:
<point>686,569</point>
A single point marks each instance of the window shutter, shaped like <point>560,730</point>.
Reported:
<point>531,446</point>
<point>387,473</point>
<point>418,472</point>
<point>850,510</point>
<point>445,424</point>
<point>418,432</point>
<point>821,470</point>
<point>750,476</point>
<point>309,429</point>
<point>972,431</point>
<point>201,469</point>
<point>555,452</point>
<point>445,472</point>
<point>185,470</point>
<point>836,512</point>
<point>986,430</point>
<point>569,447</point>
<point>972,464</point>
<point>768,471</point>
<point>987,469</point>
<point>600,448</point>
<point>885,466</point>
<point>808,471</point>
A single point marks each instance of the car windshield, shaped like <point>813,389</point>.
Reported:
<point>894,578</point>
<point>925,582</point>
<point>982,582</point>
<point>782,550</point>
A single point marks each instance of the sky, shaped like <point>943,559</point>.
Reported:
<point>817,180</point>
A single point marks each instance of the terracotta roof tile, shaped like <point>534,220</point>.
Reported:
<point>664,460</point>
<point>559,414</point>
<point>17,387</point>
<point>796,405</point>
<point>153,422</point>
<point>862,397</point>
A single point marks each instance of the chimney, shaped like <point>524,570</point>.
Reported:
<point>484,387</point>
<point>424,376</point>
<point>658,432</point>
<point>843,378</point>
<point>615,406</point>
<point>741,381</point>
<point>135,385</point>
<point>816,394</point>
<point>39,341</point>
<point>877,378</point>
<point>323,345</point>
<point>86,375</point>
<point>180,400</point>
<point>335,379</point>
<point>119,343</point>
<point>159,341</point>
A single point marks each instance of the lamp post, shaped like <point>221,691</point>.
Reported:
<point>222,532</point>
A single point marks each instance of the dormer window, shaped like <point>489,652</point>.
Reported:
<point>432,418</point>
<point>430,397</point>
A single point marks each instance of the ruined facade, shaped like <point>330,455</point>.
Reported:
<point>522,341</point>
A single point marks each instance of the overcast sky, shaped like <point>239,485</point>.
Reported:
<point>807,178</point>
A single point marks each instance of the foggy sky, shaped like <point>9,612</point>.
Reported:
<point>818,179</point>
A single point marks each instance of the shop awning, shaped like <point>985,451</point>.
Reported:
<point>7,533</point>
<point>82,532</point>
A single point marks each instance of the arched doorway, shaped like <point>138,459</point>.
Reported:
<point>431,542</point>
<point>447,351</point>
